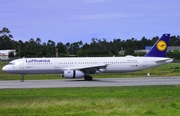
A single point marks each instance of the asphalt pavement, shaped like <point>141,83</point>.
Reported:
<point>96,82</point>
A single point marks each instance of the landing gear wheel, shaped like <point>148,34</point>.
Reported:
<point>22,79</point>
<point>88,78</point>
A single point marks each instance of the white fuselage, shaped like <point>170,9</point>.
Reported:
<point>59,65</point>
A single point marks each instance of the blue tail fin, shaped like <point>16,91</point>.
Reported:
<point>160,47</point>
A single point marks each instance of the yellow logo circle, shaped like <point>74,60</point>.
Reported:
<point>161,45</point>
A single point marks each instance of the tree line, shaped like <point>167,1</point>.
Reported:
<point>97,47</point>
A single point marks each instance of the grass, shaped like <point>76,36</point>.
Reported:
<point>172,69</point>
<point>134,101</point>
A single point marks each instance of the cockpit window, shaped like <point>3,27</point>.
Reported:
<point>11,63</point>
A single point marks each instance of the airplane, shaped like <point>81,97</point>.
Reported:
<point>79,67</point>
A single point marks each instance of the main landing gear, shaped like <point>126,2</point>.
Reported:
<point>22,79</point>
<point>87,78</point>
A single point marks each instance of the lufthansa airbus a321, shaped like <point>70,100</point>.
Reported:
<point>79,67</point>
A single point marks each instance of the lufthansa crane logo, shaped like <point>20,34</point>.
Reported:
<point>161,45</point>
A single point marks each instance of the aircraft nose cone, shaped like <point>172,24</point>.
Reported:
<point>4,69</point>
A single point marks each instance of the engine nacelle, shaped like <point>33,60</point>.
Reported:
<point>73,74</point>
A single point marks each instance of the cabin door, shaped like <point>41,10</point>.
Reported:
<point>22,66</point>
<point>56,64</point>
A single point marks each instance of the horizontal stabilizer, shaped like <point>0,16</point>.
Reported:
<point>169,60</point>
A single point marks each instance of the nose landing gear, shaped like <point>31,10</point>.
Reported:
<point>22,79</point>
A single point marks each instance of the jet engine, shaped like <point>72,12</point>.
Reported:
<point>73,74</point>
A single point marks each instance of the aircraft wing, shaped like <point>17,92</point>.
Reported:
<point>87,67</point>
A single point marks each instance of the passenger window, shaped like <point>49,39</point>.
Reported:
<point>11,63</point>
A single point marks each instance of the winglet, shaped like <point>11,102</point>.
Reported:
<point>160,47</point>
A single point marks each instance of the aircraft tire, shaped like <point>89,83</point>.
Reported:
<point>22,80</point>
<point>88,78</point>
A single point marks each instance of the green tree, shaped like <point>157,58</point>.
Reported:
<point>48,54</point>
<point>11,54</point>
<point>39,54</point>
<point>38,41</point>
<point>5,39</point>
<point>175,52</point>
<point>129,51</point>
<point>61,48</point>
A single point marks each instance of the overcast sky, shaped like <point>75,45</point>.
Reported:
<point>75,20</point>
